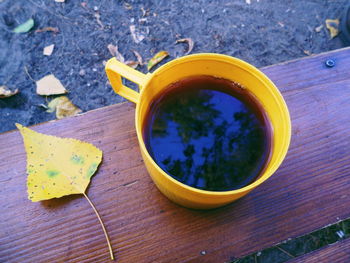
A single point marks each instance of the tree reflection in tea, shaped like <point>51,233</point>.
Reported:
<point>208,133</point>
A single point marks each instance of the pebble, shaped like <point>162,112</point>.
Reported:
<point>82,72</point>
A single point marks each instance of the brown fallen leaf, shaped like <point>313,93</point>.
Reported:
<point>156,59</point>
<point>47,29</point>
<point>49,85</point>
<point>332,25</point>
<point>63,107</point>
<point>189,41</point>
<point>138,56</point>
<point>127,6</point>
<point>145,12</point>
<point>98,19</point>
<point>48,50</point>
<point>307,52</point>
<point>115,52</point>
<point>132,64</point>
<point>5,92</point>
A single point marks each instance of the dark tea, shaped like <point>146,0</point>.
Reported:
<point>209,133</point>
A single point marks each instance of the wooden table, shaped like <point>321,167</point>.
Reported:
<point>309,191</point>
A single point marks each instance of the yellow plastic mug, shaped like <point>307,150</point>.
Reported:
<point>216,65</point>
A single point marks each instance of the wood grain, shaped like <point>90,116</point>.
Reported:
<point>310,190</point>
<point>335,253</point>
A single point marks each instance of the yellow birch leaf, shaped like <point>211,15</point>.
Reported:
<point>332,25</point>
<point>156,59</point>
<point>59,166</point>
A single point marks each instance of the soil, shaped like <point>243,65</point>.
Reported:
<point>262,33</point>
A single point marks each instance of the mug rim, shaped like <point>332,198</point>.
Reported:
<point>244,66</point>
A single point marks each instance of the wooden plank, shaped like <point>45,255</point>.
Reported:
<point>309,191</point>
<point>336,253</point>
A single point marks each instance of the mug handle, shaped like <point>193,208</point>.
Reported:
<point>115,70</point>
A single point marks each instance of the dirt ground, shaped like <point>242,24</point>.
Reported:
<point>261,32</point>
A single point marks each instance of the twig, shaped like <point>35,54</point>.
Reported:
<point>103,227</point>
<point>286,252</point>
<point>26,70</point>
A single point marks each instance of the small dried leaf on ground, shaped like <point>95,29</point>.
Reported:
<point>98,19</point>
<point>145,12</point>
<point>48,50</point>
<point>333,27</point>
<point>189,42</point>
<point>136,36</point>
<point>63,107</point>
<point>115,52</point>
<point>5,92</point>
<point>127,6</point>
<point>132,64</point>
<point>47,29</point>
<point>156,59</point>
<point>25,27</point>
<point>49,85</point>
<point>138,56</point>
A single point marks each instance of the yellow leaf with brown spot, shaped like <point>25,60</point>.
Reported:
<point>57,166</point>
<point>156,59</point>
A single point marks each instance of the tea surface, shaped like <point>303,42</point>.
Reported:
<point>208,133</point>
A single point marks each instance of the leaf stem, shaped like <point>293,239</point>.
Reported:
<point>103,227</point>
